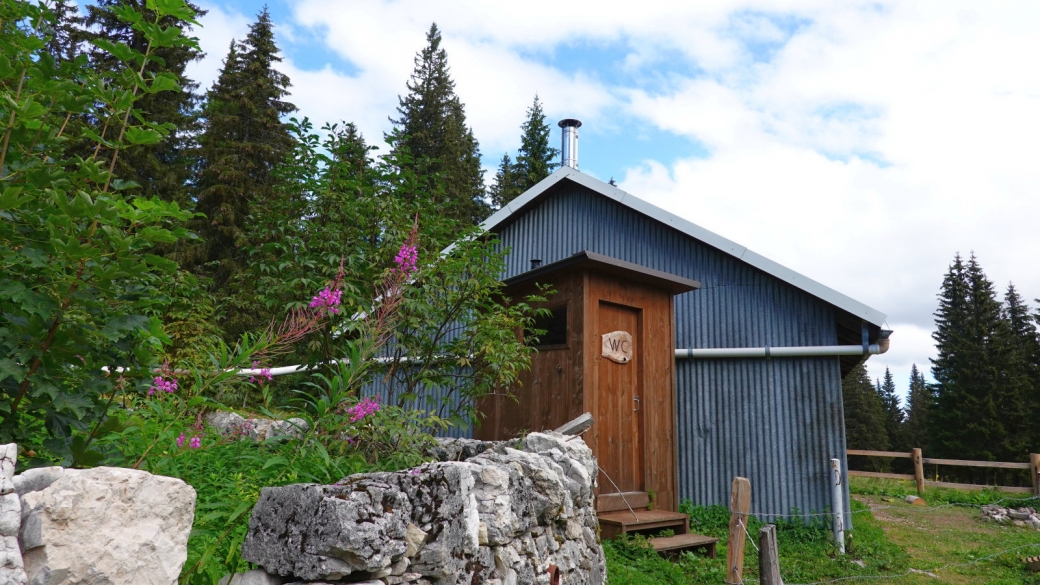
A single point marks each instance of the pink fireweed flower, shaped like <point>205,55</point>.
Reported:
<point>327,298</point>
<point>180,441</point>
<point>264,372</point>
<point>195,442</point>
<point>363,409</point>
<point>406,258</point>
<point>163,385</point>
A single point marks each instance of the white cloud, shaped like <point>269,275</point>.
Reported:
<point>219,27</point>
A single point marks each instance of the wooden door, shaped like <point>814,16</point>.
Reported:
<point>619,412</point>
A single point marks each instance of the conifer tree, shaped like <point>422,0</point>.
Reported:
<point>864,414</point>
<point>535,160</point>
<point>435,136</point>
<point>893,413</point>
<point>242,142</point>
<point>1018,353</point>
<point>66,30</point>
<point>965,422</point>
<point>505,188</point>
<point>163,169</point>
<point>918,403</point>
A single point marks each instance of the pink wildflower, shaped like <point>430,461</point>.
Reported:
<point>195,442</point>
<point>180,441</point>
<point>327,298</point>
<point>363,409</point>
<point>163,385</point>
<point>415,471</point>
<point>264,372</point>
<point>406,258</point>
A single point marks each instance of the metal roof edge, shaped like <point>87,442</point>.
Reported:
<point>693,230</point>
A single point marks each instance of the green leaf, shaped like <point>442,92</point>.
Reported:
<point>9,199</point>
<point>10,369</point>
<point>120,51</point>
<point>163,82</point>
<point>139,135</point>
<point>118,327</point>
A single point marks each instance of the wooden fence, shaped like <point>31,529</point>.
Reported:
<point>918,477</point>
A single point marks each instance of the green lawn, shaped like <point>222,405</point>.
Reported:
<point>949,539</point>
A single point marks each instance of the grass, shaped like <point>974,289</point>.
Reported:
<point>890,537</point>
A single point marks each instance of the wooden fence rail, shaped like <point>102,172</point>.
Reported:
<point>918,477</point>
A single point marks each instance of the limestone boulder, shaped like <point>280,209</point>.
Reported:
<point>107,526</point>
<point>256,428</point>
<point>12,570</point>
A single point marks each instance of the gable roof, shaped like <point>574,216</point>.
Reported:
<point>516,207</point>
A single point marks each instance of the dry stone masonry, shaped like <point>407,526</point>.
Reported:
<point>1016,516</point>
<point>511,513</point>
<point>103,526</point>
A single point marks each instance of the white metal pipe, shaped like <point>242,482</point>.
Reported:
<point>838,506</point>
<point>765,352</point>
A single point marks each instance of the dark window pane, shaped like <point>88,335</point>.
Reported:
<point>554,326</point>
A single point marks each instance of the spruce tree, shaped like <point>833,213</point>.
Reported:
<point>435,136</point>
<point>535,160</point>
<point>965,422</point>
<point>66,30</point>
<point>242,142</point>
<point>893,413</point>
<point>864,415</point>
<point>1017,352</point>
<point>163,169</point>
<point>918,403</point>
<point>505,187</point>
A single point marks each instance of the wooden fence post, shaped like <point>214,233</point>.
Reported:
<point>739,506</point>
<point>1034,471</point>
<point>838,506</point>
<point>768,557</point>
<point>919,471</point>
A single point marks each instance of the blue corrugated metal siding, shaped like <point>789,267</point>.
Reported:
<point>777,422</point>
<point>429,399</point>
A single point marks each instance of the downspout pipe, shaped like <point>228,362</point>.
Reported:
<point>799,351</point>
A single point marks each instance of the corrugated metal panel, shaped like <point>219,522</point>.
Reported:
<point>777,422</point>
<point>430,399</point>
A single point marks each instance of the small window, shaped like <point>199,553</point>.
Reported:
<point>552,328</point>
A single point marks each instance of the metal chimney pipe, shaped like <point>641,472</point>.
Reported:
<point>570,142</point>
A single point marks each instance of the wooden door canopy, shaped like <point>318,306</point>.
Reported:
<point>608,266</point>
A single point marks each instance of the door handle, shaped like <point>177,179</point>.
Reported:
<point>636,409</point>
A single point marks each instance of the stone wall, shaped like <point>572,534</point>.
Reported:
<point>105,525</point>
<point>511,513</point>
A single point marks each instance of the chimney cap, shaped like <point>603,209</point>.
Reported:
<point>569,123</point>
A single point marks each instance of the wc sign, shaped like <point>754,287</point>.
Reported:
<point>617,346</point>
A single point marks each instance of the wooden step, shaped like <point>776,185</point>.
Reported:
<point>670,545</point>
<point>612,524</point>
<point>624,501</point>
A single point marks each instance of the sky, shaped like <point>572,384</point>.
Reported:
<point>862,144</point>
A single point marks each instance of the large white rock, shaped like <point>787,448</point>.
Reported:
<point>11,570</point>
<point>108,526</point>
